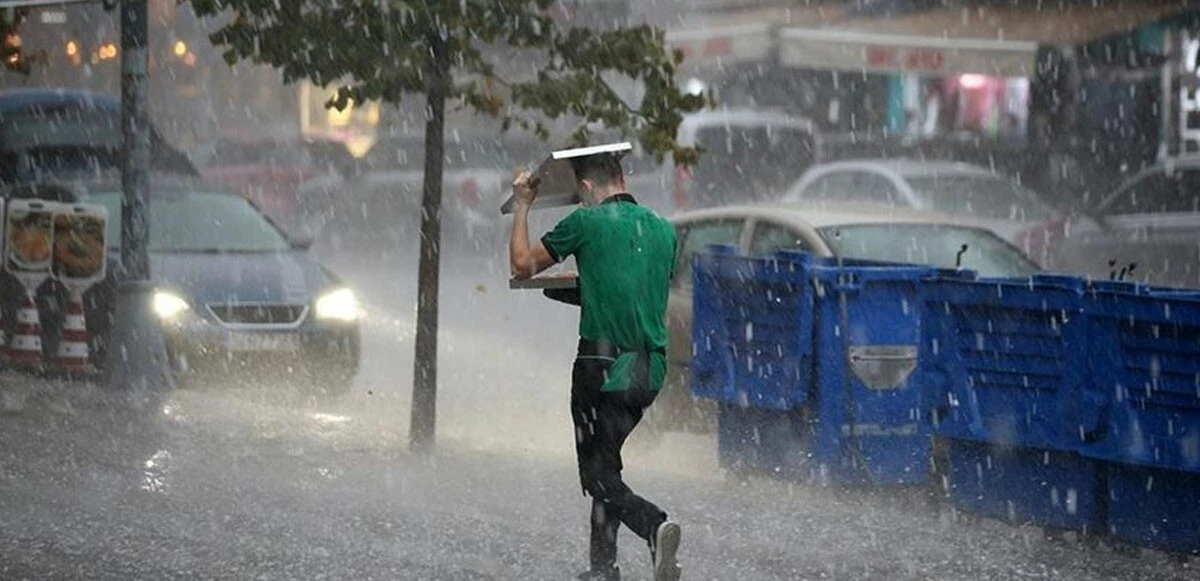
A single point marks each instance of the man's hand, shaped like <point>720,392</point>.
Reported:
<point>525,259</point>
<point>525,188</point>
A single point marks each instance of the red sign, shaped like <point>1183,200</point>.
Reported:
<point>881,56</point>
<point>921,59</point>
<point>720,46</point>
<point>924,59</point>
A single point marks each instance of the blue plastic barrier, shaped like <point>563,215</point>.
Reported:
<point>1065,403</point>
<point>752,323</point>
<point>1007,360</point>
<point>811,360</point>
<point>1147,347</point>
<point>1154,507</point>
<point>1020,485</point>
<point>1147,363</point>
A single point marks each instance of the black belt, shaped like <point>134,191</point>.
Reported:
<point>589,348</point>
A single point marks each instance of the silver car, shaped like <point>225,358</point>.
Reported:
<point>1148,227</point>
<point>959,189</point>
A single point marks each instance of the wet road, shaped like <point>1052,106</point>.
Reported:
<point>251,482</point>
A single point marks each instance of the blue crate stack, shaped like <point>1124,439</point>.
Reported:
<point>1147,367</point>
<point>1061,402</point>
<point>810,361</point>
<point>1007,360</point>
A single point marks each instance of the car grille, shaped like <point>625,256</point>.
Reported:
<point>258,314</point>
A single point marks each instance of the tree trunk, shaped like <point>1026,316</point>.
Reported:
<point>423,426</point>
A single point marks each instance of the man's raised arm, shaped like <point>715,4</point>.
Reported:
<point>525,259</point>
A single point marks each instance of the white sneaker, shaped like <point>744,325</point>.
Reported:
<point>664,552</point>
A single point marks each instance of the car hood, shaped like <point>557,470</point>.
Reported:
<point>282,277</point>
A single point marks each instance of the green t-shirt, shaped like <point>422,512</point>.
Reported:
<point>625,254</point>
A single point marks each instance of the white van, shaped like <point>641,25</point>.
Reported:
<point>749,155</point>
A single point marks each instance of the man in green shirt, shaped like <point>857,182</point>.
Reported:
<point>625,255</point>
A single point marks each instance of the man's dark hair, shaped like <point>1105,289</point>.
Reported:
<point>601,170</point>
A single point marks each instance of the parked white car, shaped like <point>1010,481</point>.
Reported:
<point>958,189</point>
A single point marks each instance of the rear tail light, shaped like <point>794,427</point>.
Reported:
<point>470,193</point>
<point>1040,241</point>
<point>683,178</point>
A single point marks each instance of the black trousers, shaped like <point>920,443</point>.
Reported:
<point>603,420</point>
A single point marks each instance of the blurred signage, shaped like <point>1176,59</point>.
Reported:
<point>912,59</point>
<point>844,50</point>
<point>722,45</point>
<point>53,17</point>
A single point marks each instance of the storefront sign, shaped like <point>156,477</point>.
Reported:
<point>909,59</point>
<point>857,51</point>
<point>722,45</point>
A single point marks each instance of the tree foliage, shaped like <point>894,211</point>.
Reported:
<point>510,60</point>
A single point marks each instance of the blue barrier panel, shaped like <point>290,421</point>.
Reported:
<point>1147,365</point>
<point>812,361</point>
<point>1154,507</point>
<point>1147,346</point>
<point>1022,485</point>
<point>872,421</point>
<point>1007,361</point>
<point>751,329</point>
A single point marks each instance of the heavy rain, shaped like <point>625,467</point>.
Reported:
<point>931,309</point>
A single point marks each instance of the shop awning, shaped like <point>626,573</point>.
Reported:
<point>723,45</point>
<point>991,40</point>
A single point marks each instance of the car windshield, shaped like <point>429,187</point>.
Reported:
<point>982,196</point>
<point>191,221</point>
<point>934,244</point>
<point>66,127</point>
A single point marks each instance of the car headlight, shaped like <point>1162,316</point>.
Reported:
<point>338,305</point>
<point>168,306</point>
